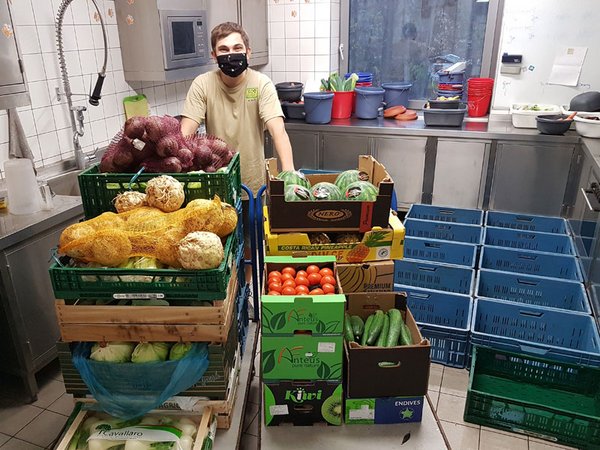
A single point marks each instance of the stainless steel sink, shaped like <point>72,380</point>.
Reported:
<point>65,184</point>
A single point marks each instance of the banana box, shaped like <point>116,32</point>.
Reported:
<point>348,247</point>
<point>375,276</point>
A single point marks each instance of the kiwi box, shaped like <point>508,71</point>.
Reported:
<point>369,411</point>
<point>284,315</point>
<point>376,276</point>
<point>399,371</point>
<point>324,215</point>
<point>303,402</point>
<point>376,244</point>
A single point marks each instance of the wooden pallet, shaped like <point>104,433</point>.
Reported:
<point>90,323</point>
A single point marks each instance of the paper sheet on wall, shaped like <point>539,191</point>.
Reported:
<point>567,65</point>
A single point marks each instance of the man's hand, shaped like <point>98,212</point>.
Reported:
<point>282,144</point>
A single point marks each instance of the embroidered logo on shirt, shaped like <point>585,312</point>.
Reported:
<point>252,94</point>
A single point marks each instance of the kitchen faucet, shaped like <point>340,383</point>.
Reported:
<point>76,112</point>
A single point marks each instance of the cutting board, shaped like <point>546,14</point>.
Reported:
<point>135,105</point>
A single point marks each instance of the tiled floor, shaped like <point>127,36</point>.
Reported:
<point>36,426</point>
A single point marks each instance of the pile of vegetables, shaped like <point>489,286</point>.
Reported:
<point>381,329</point>
<point>156,144</point>
<point>101,432</point>
<point>350,185</point>
<point>144,352</point>
<point>335,83</point>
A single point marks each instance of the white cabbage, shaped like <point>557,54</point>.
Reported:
<point>150,352</point>
<point>116,352</point>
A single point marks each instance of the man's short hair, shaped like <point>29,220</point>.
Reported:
<point>225,29</point>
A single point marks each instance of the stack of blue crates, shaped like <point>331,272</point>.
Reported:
<point>529,292</point>
<point>437,273</point>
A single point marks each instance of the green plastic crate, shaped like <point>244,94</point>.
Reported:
<point>103,283</point>
<point>98,190</point>
<point>539,397</point>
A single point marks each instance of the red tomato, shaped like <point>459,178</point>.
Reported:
<point>328,288</point>
<point>327,279</point>
<point>326,271</point>
<point>314,278</point>
<point>274,293</point>
<point>288,290</point>
<point>274,273</point>
<point>275,287</point>
<point>301,273</point>
<point>301,289</point>
<point>289,270</point>
<point>302,281</point>
<point>317,291</point>
<point>287,276</point>
<point>291,283</point>
<point>312,269</point>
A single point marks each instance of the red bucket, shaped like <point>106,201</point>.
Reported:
<point>478,105</point>
<point>342,104</point>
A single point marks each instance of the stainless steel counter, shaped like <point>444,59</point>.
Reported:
<point>496,129</point>
<point>14,229</point>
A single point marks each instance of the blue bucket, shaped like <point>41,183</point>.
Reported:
<point>368,102</point>
<point>317,107</point>
<point>396,93</point>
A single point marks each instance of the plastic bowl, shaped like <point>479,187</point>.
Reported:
<point>444,104</point>
<point>289,91</point>
<point>552,124</point>
<point>293,110</point>
<point>587,127</point>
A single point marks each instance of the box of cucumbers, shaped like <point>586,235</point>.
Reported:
<point>382,342</point>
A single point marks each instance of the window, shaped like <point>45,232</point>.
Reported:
<point>410,40</point>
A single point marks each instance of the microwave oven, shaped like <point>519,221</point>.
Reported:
<point>185,38</point>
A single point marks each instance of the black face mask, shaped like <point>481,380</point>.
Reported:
<point>233,64</point>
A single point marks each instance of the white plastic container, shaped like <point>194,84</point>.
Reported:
<point>587,127</point>
<point>525,118</point>
<point>24,195</point>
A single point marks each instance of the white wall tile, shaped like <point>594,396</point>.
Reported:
<point>307,12</point>
<point>51,65</point>
<point>307,46</point>
<point>111,108</point>
<point>28,123</point>
<point>44,119</point>
<point>73,63</point>
<point>109,14</point>
<point>113,36</point>
<point>278,77</point>
<point>44,13</point>
<point>173,109</point>
<point>87,58</point>
<point>322,29</point>
<point>3,128</point>
<point>28,39</point>
<point>65,141</point>
<point>292,76</point>
<point>113,126</point>
<point>62,117</point>
<point>323,11</point>
<point>292,63</point>
<point>171,93</point>
<point>34,67</point>
<point>306,76</point>
<point>115,59</point>
<point>22,12</point>
<point>47,38</point>
<point>160,93</point>
<point>49,144</point>
<point>277,30</point>
<point>38,91</point>
<point>95,112</point>
<point>100,60</point>
<point>322,46</point>
<point>81,12</point>
<point>307,29</point>
<point>307,63</point>
<point>97,36</point>
<point>277,13</point>
<point>34,145</point>
<point>292,30</point>
<point>277,47</point>
<point>77,88</point>
<point>69,38</point>
<point>292,47</point>
<point>85,40</point>
<point>99,133</point>
<point>322,63</point>
<point>278,63</point>
<point>291,13</point>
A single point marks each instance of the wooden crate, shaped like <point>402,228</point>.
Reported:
<point>213,385</point>
<point>90,323</point>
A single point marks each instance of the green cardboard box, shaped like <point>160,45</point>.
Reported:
<point>302,357</point>
<point>385,410</point>
<point>283,315</point>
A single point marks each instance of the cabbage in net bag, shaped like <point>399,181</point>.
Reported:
<point>127,390</point>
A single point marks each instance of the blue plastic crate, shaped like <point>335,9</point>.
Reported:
<point>526,222</point>
<point>530,262</point>
<point>470,234</point>
<point>436,250</point>
<point>532,290</point>
<point>444,319</point>
<point>534,330</point>
<point>441,277</point>
<point>445,214</point>
<point>529,240</point>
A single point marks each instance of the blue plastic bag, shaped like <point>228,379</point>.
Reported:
<point>129,390</point>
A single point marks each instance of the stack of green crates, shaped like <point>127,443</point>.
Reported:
<point>302,351</point>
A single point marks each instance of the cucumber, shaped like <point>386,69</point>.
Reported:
<point>405,337</point>
<point>358,326</point>
<point>348,334</point>
<point>396,323</point>
<point>376,328</point>
<point>368,323</point>
<point>382,339</point>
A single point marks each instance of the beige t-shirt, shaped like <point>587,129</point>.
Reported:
<point>237,115</point>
